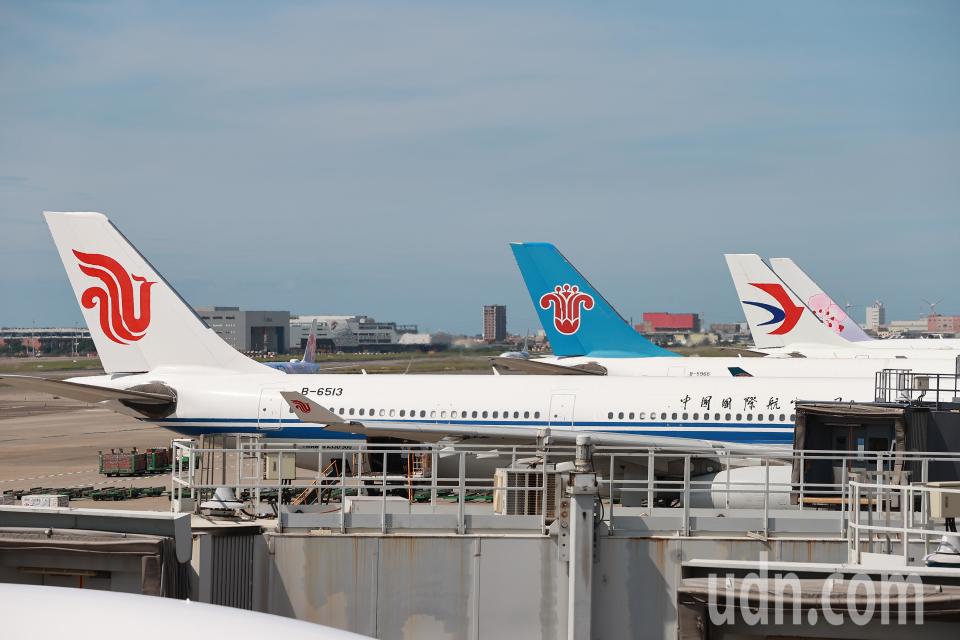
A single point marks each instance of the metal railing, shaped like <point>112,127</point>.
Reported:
<point>908,386</point>
<point>895,514</point>
<point>633,481</point>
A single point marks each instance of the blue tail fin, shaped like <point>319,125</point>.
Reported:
<point>577,319</point>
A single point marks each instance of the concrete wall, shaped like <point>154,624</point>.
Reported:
<point>483,586</point>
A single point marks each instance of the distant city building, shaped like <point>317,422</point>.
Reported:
<point>426,340</point>
<point>494,323</point>
<point>46,340</point>
<point>249,331</point>
<point>349,333</point>
<point>659,322</point>
<point>943,324</point>
<point>905,328</point>
<point>876,316</point>
<point>730,331</point>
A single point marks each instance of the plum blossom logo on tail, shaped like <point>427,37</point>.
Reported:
<point>787,314</point>
<point>567,301</point>
<point>124,312</point>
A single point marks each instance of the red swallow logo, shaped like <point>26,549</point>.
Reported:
<point>567,301</point>
<point>124,314</point>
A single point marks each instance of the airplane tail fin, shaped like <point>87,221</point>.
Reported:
<point>576,318</point>
<point>310,353</point>
<point>822,305</point>
<point>775,315</point>
<point>136,319</point>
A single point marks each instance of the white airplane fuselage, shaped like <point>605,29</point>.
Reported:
<point>853,367</point>
<point>742,410</point>
<point>904,350</point>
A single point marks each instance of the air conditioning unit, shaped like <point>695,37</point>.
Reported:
<point>944,505</point>
<point>519,492</point>
<point>278,466</point>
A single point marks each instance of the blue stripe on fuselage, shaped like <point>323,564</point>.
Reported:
<point>730,432</point>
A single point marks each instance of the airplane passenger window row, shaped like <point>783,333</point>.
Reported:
<point>771,417</point>
<point>413,413</point>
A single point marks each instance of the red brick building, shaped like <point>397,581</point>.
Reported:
<point>661,322</point>
<point>943,324</point>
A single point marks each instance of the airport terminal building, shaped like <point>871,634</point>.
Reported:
<point>249,331</point>
<point>349,333</point>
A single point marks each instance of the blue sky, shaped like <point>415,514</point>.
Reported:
<point>377,158</point>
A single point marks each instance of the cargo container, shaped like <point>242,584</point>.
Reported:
<point>122,464</point>
<point>159,460</point>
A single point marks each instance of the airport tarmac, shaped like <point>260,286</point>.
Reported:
<point>54,442</point>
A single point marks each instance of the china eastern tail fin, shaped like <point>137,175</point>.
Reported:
<point>136,319</point>
<point>822,305</point>
<point>578,320</point>
<point>775,315</point>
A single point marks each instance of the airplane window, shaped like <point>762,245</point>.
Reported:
<point>474,414</point>
<point>643,415</point>
<point>495,414</point>
<point>351,410</point>
<point>727,417</point>
<point>423,413</point>
<point>610,415</point>
<point>526,414</point>
<point>453,414</point>
<point>433,414</point>
<point>696,416</point>
<point>392,412</point>
<point>631,415</point>
<point>536,414</point>
<point>663,416</point>
<point>372,412</point>
<point>782,417</point>
<point>484,414</point>
<point>772,417</point>
<point>382,413</point>
<point>620,416</point>
<point>739,417</point>
<point>749,417</point>
<point>403,412</point>
<point>516,414</point>
<point>673,416</point>
<point>361,411</point>
<point>760,417</point>
<point>793,417</point>
<point>685,416</point>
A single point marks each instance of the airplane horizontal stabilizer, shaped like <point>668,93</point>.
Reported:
<point>536,367</point>
<point>86,392</point>
<point>309,411</point>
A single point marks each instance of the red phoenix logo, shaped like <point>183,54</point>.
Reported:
<point>566,301</point>
<point>301,406</point>
<point>123,318</point>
